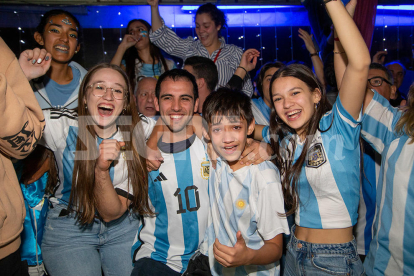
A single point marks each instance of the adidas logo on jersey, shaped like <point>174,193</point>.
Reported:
<point>160,177</point>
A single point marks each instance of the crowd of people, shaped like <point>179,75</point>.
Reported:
<point>136,167</point>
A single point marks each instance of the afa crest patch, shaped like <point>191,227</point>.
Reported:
<point>205,169</point>
<point>316,156</point>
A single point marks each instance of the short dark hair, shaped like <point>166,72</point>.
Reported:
<point>387,72</point>
<point>177,74</point>
<point>46,18</point>
<point>204,68</point>
<point>261,74</point>
<point>227,102</point>
<point>216,15</point>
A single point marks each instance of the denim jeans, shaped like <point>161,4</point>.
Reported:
<point>70,249</point>
<point>304,258</point>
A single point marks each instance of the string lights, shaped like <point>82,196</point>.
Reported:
<point>250,26</point>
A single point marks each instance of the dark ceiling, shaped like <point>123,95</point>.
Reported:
<point>178,2</point>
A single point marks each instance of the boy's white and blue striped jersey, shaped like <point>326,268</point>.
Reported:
<point>329,181</point>
<point>366,209</point>
<point>247,200</point>
<point>60,135</point>
<point>178,192</point>
<point>392,248</point>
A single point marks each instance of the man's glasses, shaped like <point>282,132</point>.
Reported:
<point>377,81</point>
<point>99,90</point>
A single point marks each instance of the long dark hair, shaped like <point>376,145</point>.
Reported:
<point>82,195</point>
<point>132,54</point>
<point>281,134</point>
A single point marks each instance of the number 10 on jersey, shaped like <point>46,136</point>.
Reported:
<point>188,193</point>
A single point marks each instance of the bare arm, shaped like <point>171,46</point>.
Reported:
<point>248,62</point>
<point>316,59</point>
<point>156,21</point>
<point>109,204</point>
<point>127,42</point>
<point>257,133</point>
<point>340,58</point>
<point>352,91</point>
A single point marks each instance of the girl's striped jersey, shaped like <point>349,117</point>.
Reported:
<point>330,177</point>
<point>60,135</point>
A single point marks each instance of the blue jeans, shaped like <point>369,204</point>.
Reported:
<point>70,249</point>
<point>304,258</point>
<point>150,267</point>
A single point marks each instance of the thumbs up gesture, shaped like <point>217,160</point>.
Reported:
<point>237,255</point>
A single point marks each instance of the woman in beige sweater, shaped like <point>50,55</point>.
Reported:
<point>22,123</point>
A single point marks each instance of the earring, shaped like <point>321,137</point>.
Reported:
<point>317,105</point>
<point>123,111</point>
<point>76,52</point>
<point>86,107</point>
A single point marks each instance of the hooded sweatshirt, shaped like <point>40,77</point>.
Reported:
<point>22,123</point>
<point>43,99</point>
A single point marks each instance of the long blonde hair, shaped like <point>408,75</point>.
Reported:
<point>406,122</point>
<point>82,196</point>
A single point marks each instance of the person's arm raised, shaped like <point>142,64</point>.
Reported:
<point>316,59</point>
<point>127,42</point>
<point>156,21</point>
<point>352,90</point>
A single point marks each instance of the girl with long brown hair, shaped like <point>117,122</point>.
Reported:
<point>102,183</point>
<point>318,155</point>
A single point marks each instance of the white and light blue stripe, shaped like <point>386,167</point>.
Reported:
<point>329,193</point>
<point>170,237</point>
<point>60,136</point>
<point>247,200</point>
<point>392,247</point>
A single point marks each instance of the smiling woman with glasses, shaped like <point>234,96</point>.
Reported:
<point>103,185</point>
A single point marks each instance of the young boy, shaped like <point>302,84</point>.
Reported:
<point>245,226</point>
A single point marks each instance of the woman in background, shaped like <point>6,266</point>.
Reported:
<point>137,56</point>
<point>209,22</point>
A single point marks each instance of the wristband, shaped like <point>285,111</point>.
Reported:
<point>327,1</point>
<point>339,52</point>
<point>336,38</point>
<point>243,69</point>
<point>314,54</point>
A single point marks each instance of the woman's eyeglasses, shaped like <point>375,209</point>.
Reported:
<point>99,90</point>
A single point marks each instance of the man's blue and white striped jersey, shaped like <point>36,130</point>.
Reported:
<point>247,200</point>
<point>330,177</point>
<point>392,248</point>
<point>60,135</point>
<point>367,195</point>
<point>178,192</point>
